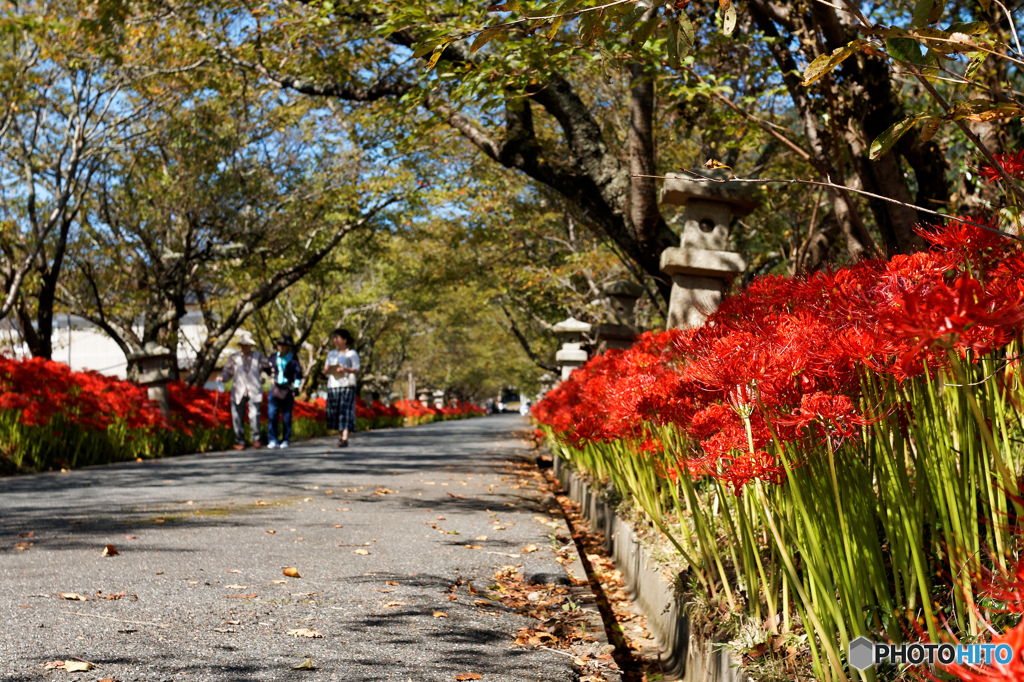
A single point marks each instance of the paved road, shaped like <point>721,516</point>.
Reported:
<point>198,535</point>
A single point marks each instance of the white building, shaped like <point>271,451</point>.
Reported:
<point>82,345</point>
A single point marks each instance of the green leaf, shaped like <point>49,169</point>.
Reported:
<point>686,34</point>
<point>510,6</point>
<point>568,6</point>
<point>644,31</point>
<point>728,16</point>
<point>886,140</point>
<point>590,27</point>
<point>483,38</point>
<point>434,57</point>
<point>425,48</point>
<point>632,17</point>
<point>826,62</point>
<point>673,44</point>
<point>927,12</point>
<point>905,50</point>
<point>975,64</point>
<point>972,29</point>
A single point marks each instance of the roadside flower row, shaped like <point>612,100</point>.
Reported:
<point>829,445</point>
<point>52,417</point>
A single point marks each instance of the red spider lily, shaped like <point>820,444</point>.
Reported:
<point>791,351</point>
<point>1013,164</point>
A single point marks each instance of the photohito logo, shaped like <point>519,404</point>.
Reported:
<point>864,653</point>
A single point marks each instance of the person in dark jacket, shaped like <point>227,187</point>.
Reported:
<point>285,378</point>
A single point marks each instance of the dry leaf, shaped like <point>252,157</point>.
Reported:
<point>469,676</point>
<point>110,550</point>
<point>328,492</point>
<point>73,596</point>
<point>107,679</point>
<point>232,622</point>
<point>391,582</point>
<point>441,518</point>
<point>235,587</point>
<point>360,551</point>
<point>305,632</point>
<point>261,503</point>
<point>481,538</point>
<point>291,572</point>
<point>459,497</point>
<point>27,535</point>
<point>233,570</point>
<point>271,532</point>
<point>383,491</point>
<point>78,666</point>
<point>351,490</point>
<point>392,604</point>
<point>113,597</point>
<point>223,630</point>
<point>305,665</point>
<point>440,614</point>
<point>279,582</point>
<point>240,596</point>
<point>474,546</point>
<point>339,526</point>
<point>530,548</point>
<point>53,665</point>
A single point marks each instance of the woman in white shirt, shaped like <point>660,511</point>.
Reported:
<point>341,369</point>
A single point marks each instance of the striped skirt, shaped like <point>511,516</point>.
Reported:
<point>341,408</point>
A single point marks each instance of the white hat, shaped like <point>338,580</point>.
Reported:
<point>245,339</point>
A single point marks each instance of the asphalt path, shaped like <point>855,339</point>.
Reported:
<point>383,535</point>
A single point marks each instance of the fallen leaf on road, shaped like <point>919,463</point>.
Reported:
<point>107,679</point>
<point>73,596</point>
<point>481,537</point>
<point>305,665</point>
<point>232,570</point>
<point>360,551</point>
<point>383,491</point>
<point>305,632</point>
<point>53,665</point>
<point>271,532</point>
<point>391,582</point>
<point>469,676</point>
<point>328,492</point>
<point>339,526</point>
<point>279,582</point>
<point>440,614</point>
<point>223,630</point>
<point>307,499</point>
<point>235,587</point>
<point>110,550</point>
<point>291,572</point>
<point>392,604</point>
<point>530,548</point>
<point>452,597</point>
<point>23,546</point>
<point>232,622</point>
<point>27,535</point>
<point>474,547</point>
<point>132,537</point>
<point>346,509</point>
<point>112,597</point>
<point>441,518</point>
<point>78,666</point>
<point>499,528</point>
<point>350,490</point>
<point>459,497</point>
<point>261,503</point>
<point>240,596</point>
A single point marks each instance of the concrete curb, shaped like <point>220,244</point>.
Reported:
<point>687,656</point>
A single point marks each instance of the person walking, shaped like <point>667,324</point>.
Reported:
<point>287,377</point>
<point>342,370</point>
<point>246,391</point>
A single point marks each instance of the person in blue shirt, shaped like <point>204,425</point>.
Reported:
<point>286,378</point>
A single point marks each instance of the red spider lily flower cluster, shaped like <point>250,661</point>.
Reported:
<point>46,392</point>
<point>783,360</point>
<point>1013,164</point>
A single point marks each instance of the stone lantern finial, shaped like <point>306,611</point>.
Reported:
<point>701,267</point>
<point>572,354</point>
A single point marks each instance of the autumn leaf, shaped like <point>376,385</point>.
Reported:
<point>279,582</point>
<point>469,676</point>
<point>360,551</point>
<point>305,632</point>
<point>393,604</point>
<point>240,596</point>
<point>305,665</point>
<point>53,665</point>
<point>235,587</point>
<point>474,546</point>
<point>291,572</point>
<point>271,532</point>
<point>440,614</point>
<point>233,570</point>
<point>530,548</point>
<point>391,582</point>
<point>481,537</point>
<point>339,526</point>
<point>78,666</point>
<point>110,550</point>
<point>73,596</point>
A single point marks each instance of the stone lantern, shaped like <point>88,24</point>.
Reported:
<point>701,267</point>
<point>619,331</point>
<point>572,354</point>
<point>438,399</point>
<point>155,365</point>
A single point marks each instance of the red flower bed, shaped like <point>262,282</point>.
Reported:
<point>787,355</point>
